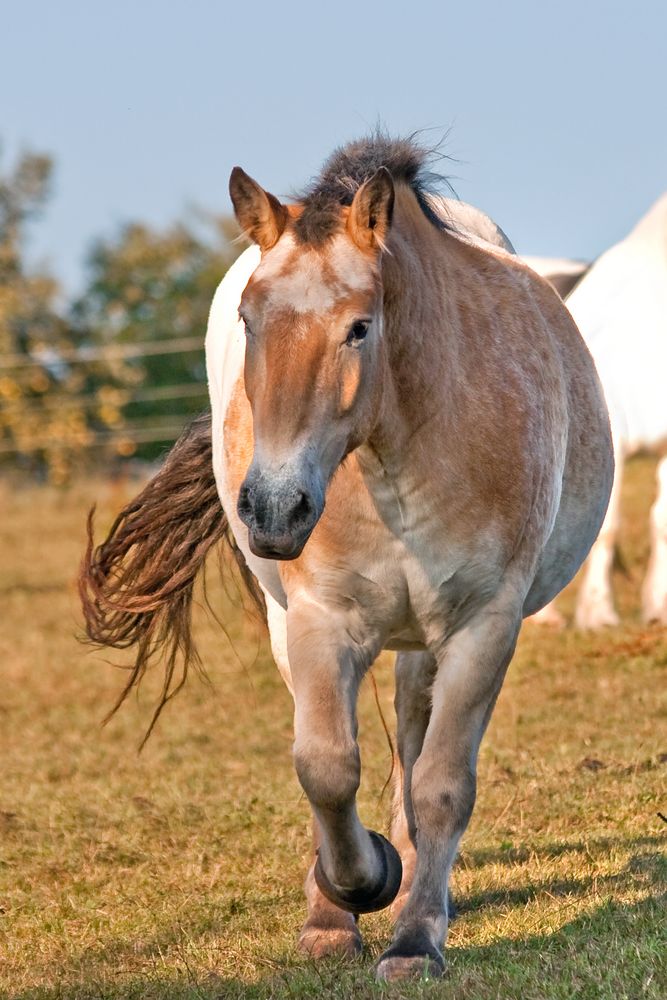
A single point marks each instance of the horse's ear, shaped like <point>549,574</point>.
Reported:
<point>259,214</point>
<point>371,210</point>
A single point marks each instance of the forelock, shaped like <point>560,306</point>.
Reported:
<point>307,279</point>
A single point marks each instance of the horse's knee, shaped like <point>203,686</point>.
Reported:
<point>329,773</point>
<point>443,800</point>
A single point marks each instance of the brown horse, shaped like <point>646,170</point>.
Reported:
<point>411,446</point>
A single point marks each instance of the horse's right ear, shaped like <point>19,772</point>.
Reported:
<point>259,214</point>
<point>371,211</point>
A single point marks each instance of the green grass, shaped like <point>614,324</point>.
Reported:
<point>177,873</point>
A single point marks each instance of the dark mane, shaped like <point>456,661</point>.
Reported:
<point>349,166</point>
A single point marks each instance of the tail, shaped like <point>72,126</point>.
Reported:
<point>136,587</point>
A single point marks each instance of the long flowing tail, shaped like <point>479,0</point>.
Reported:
<point>136,587</point>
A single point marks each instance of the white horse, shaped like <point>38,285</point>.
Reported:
<point>620,307</point>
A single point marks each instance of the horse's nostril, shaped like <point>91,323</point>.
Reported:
<point>244,505</point>
<point>303,506</point>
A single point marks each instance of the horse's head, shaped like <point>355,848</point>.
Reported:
<point>313,365</point>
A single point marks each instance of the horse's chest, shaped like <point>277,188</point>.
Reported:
<point>408,589</point>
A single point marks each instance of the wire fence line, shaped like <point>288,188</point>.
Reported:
<point>84,355</point>
<point>151,430</point>
<point>135,434</point>
<point>125,396</point>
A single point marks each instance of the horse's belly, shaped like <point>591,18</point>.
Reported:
<point>400,643</point>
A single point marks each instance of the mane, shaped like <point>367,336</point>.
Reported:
<point>350,166</point>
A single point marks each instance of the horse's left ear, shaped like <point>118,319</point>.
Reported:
<point>259,214</point>
<point>371,210</point>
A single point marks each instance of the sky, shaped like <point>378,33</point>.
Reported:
<point>554,114</point>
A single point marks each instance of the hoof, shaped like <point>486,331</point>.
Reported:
<point>655,614</point>
<point>325,942</point>
<point>364,900</point>
<point>394,966</point>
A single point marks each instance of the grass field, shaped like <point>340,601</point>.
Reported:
<point>177,873</point>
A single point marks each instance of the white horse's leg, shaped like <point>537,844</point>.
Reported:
<point>654,591</point>
<point>470,672</point>
<point>414,677</point>
<point>328,930</point>
<point>595,601</point>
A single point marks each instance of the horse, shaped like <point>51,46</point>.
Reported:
<point>408,450</point>
<point>619,304</point>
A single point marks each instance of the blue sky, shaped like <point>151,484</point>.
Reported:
<point>556,112</point>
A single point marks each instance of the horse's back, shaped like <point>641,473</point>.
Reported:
<point>470,222</point>
<point>561,272</point>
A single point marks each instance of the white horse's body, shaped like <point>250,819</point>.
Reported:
<point>620,307</point>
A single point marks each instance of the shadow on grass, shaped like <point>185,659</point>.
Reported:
<point>616,951</point>
<point>518,855</point>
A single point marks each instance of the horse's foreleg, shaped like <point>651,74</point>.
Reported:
<point>470,671</point>
<point>654,591</point>
<point>356,869</point>
<point>328,930</point>
<point>414,677</point>
<point>595,600</point>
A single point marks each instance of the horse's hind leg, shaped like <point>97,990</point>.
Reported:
<point>654,591</point>
<point>414,678</point>
<point>470,671</point>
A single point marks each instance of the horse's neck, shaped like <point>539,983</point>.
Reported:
<point>421,328</point>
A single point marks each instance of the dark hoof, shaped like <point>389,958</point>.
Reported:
<point>367,900</point>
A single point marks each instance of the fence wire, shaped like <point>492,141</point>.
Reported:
<point>152,430</point>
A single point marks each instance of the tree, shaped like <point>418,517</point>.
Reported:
<point>45,418</point>
<point>151,291</point>
<point>121,370</point>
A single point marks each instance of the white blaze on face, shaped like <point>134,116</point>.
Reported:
<point>310,281</point>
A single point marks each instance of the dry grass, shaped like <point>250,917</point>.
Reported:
<point>178,873</point>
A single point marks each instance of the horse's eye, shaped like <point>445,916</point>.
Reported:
<point>246,324</point>
<point>357,333</point>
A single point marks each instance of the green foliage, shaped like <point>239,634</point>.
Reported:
<point>145,288</point>
<point>29,323</point>
<point>120,370</point>
<point>47,421</point>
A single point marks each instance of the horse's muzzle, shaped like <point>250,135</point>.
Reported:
<point>279,516</point>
